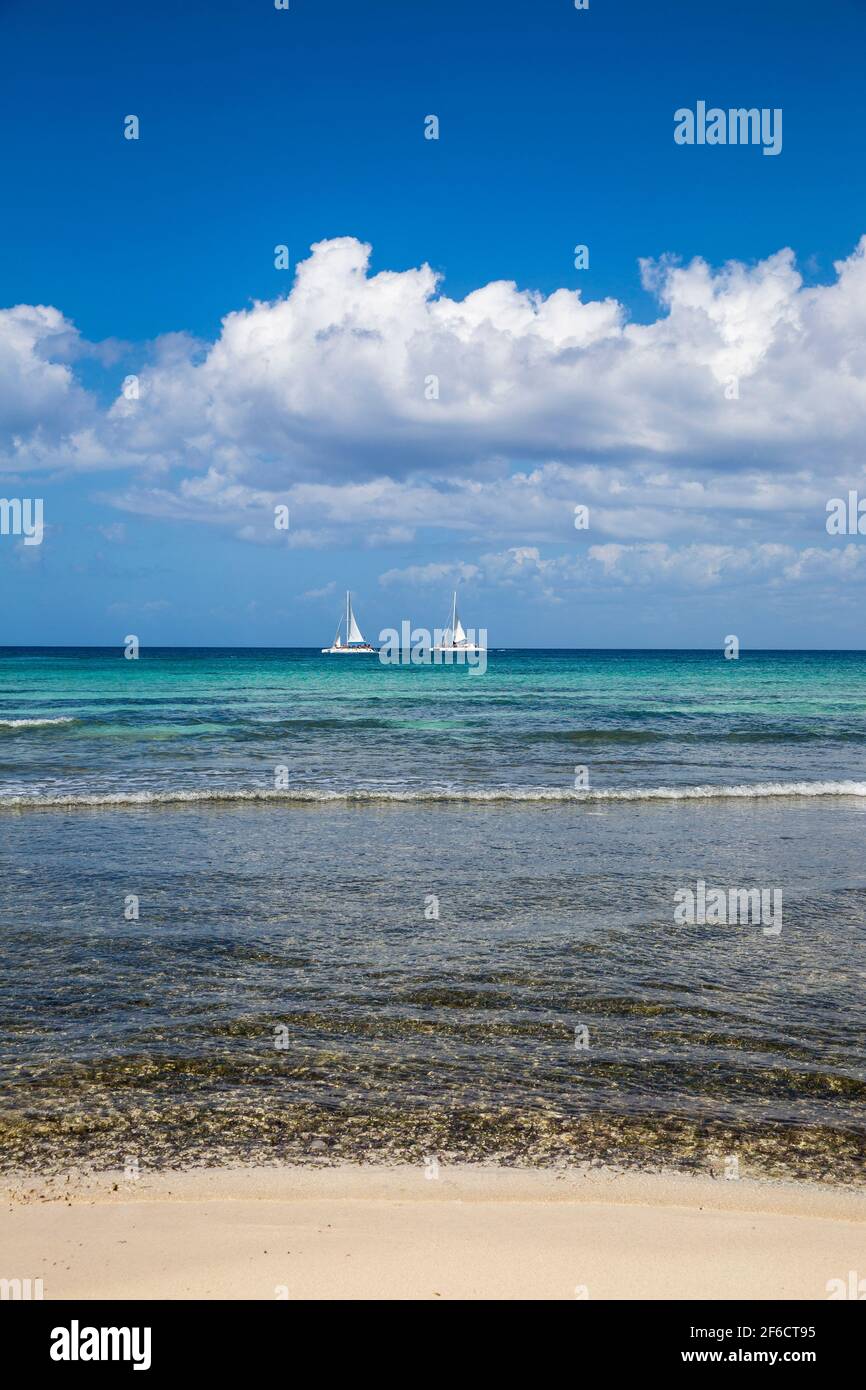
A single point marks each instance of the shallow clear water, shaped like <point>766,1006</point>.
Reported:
<point>305,918</point>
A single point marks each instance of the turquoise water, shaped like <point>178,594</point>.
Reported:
<point>89,724</point>
<point>374,908</point>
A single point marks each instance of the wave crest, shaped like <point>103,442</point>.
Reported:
<point>35,723</point>
<point>316,796</point>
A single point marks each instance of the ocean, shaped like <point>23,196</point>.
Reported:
<point>270,906</point>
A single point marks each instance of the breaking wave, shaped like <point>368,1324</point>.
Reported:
<point>34,723</point>
<point>317,796</point>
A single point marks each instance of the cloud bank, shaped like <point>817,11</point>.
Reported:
<point>381,410</point>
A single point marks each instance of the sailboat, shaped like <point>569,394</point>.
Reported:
<point>455,639</point>
<point>354,636</point>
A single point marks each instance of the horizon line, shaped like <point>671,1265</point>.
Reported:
<point>270,647</point>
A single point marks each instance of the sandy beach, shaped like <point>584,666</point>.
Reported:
<point>472,1232</point>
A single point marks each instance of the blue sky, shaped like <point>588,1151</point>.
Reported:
<point>306,127</point>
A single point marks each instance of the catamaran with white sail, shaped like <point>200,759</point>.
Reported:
<point>354,637</point>
<point>454,638</point>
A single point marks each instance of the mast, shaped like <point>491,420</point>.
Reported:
<point>454,619</point>
<point>348,612</point>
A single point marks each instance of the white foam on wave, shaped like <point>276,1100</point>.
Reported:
<point>34,723</point>
<point>315,796</point>
<point>740,790</point>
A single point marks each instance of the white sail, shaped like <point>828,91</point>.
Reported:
<point>354,644</point>
<point>454,638</point>
<point>457,633</point>
<point>354,633</point>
